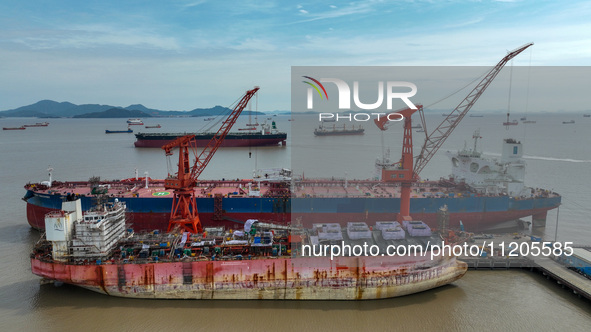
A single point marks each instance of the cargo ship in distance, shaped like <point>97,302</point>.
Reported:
<point>128,131</point>
<point>261,261</point>
<point>268,135</point>
<point>335,130</point>
<point>481,193</point>
<point>38,124</point>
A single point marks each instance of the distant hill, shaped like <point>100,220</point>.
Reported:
<point>151,111</point>
<point>83,109</point>
<point>218,110</point>
<point>43,108</point>
<point>52,109</point>
<point>115,112</point>
<point>29,113</point>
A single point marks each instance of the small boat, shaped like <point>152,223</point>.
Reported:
<point>14,128</point>
<point>118,131</point>
<point>329,120</point>
<point>587,115</point>
<point>156,126</point>
<point>38,124</point>
<point>135,122</point>
<point>510,123</point>
<point>208,119</point>
<point>568,122</point>
<point>252,124</point>
<point>476,116</point>
<point>525,120</point>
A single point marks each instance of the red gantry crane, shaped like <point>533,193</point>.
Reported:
<point>184,206</point>
<point>404,172</point>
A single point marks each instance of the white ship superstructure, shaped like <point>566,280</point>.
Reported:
<point>491,176</point>
<point>92,235</point>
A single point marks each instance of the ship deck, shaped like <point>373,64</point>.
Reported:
<point>176,247</point>
<point>310,188</point>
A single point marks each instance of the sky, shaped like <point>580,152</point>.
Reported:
<point>180,55</point>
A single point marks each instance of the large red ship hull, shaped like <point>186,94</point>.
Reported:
<point>238,141</point>
<point>305,278</point>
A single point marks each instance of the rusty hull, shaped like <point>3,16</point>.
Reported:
<point>306,278</point>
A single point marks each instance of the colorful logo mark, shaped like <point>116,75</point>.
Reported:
<point>316,87</point>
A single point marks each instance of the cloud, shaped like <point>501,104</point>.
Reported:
<point>193,4</point>
<point>93,36</point>
<point>255,44</point>
<point>465,23</point>
<point>353,8</point>
<point>142,53</point>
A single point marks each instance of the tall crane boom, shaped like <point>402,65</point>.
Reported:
<point>442,132</point>
<point>403,172</point>
<point>184,207</point>
<point>205,155</point>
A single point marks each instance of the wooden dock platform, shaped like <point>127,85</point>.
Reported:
<point>496,262</point>
<point>579,284</point>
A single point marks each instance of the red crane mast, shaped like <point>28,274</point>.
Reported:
<point>404,172</point>
<point>184,206</point>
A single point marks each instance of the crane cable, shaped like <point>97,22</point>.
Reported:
<point>208,126</point>
<point>462,88</point>
<point>527,91</point>
<point>449,96</point>
<point>509,99</point>
<point>205,128</point>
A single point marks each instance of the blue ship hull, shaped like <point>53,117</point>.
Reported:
<point>476,213</point>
